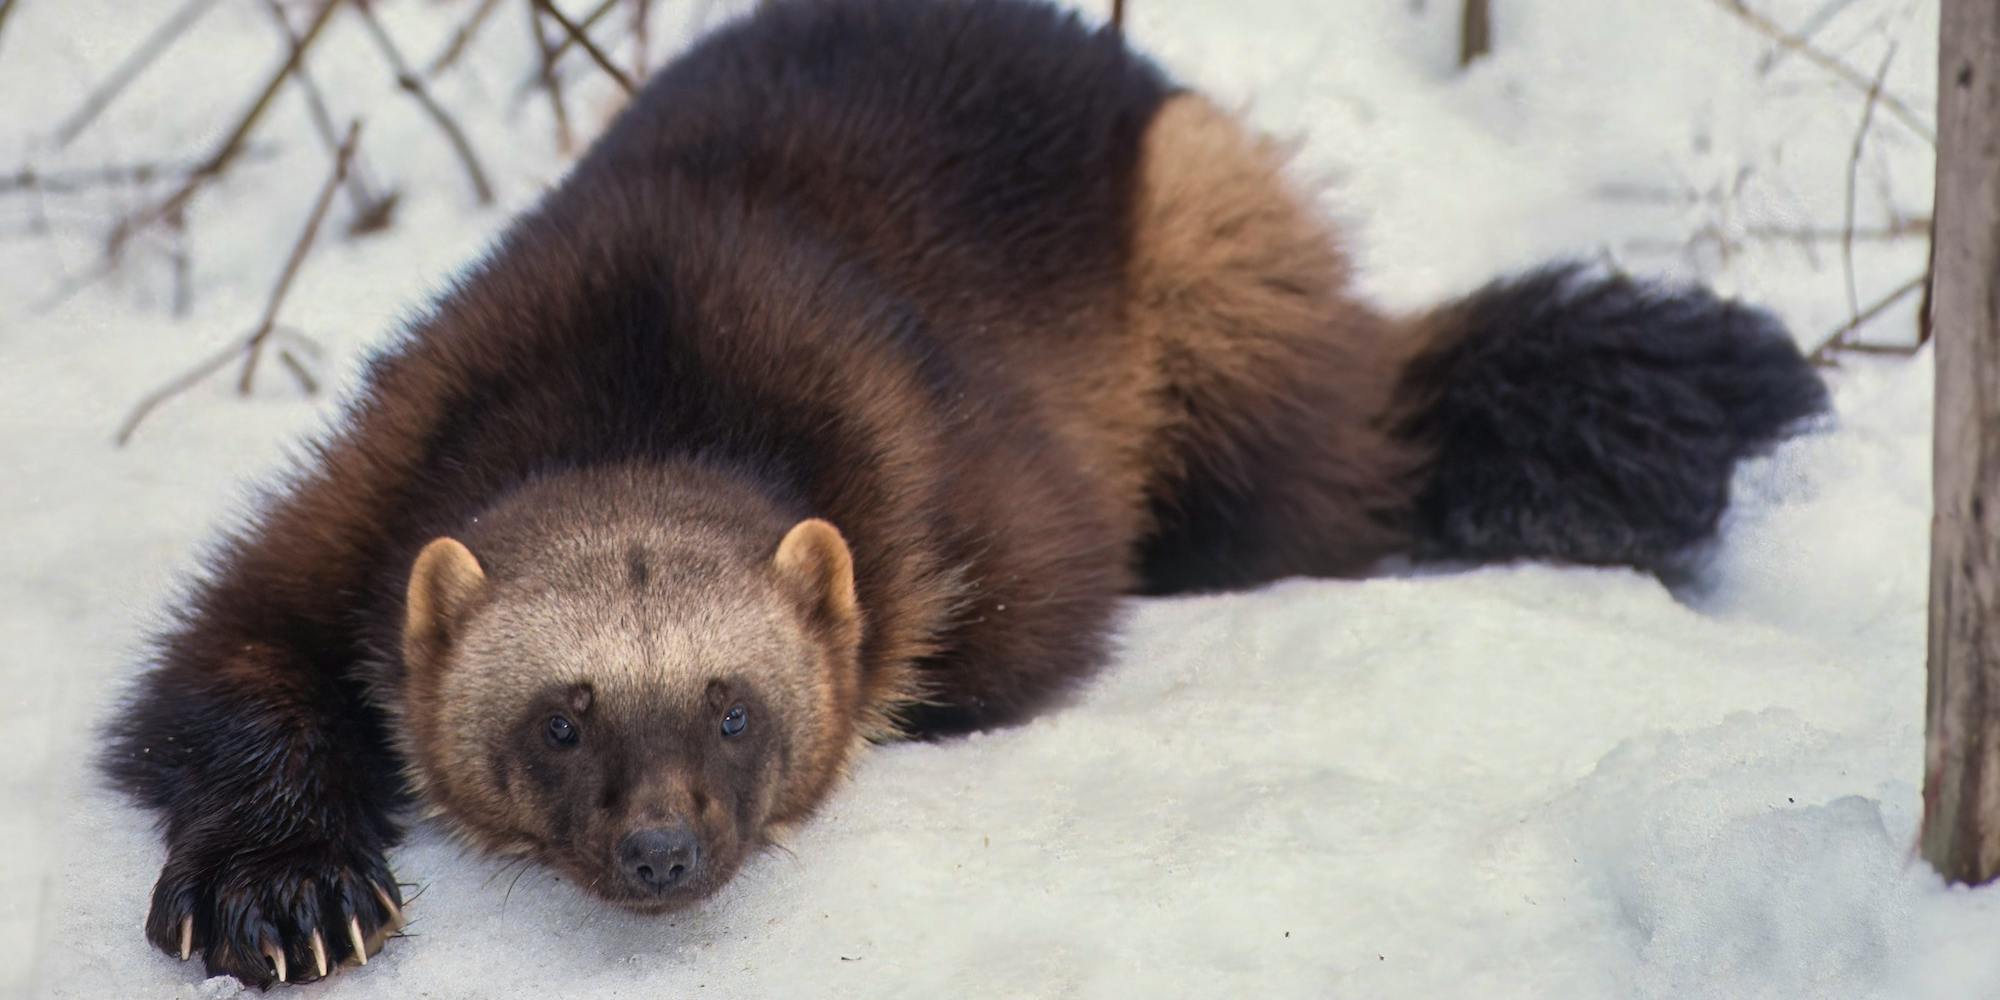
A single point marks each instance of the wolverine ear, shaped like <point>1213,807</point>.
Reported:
<point>443,584</point>
<point>814,562</point>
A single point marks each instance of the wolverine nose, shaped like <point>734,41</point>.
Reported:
<point>661,858</point>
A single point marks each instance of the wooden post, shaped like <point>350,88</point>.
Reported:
<point>1961,830</point>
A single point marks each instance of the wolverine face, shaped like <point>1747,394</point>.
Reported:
<point>648,806</point>
<point>638,713</point>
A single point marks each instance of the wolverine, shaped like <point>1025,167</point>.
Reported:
<point>839,394</point>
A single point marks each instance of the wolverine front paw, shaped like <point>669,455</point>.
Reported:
<point>267,913</point>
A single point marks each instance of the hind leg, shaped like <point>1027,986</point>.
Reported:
<point>1272,381</point>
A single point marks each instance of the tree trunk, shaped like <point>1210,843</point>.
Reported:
<point>1475,31</point>
<point>1961,832</point>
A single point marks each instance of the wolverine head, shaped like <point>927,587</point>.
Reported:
<point>633,687</point>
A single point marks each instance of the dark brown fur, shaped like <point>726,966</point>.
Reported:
<point>967,280</point>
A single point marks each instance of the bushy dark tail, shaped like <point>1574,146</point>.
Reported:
<point>1593,418</point>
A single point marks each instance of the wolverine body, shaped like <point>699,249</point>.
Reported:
<point>839,393</point>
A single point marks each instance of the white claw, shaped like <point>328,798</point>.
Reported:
<point>277,957</point>
<point>389,903</point>
<point>319,953</point>
<point>354,935</point>
<point>187,937</point>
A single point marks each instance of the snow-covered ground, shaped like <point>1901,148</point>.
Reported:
<point>1518,781</point>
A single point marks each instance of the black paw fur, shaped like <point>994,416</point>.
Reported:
<point>241,905</point>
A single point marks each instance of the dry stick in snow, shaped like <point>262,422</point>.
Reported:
<point>183,266</point>
<point>253,344</point>
<point>640,8</point>
<point>461,38</point>
<point>1475,31</point>
<point>590,48</point>
<point>560,47</point>
<point>231,145</point>
<point>550,81</point>
<point>413,85</point>
<point>1853,172</point>
<point>371,211</point>
<point>1837,341</point>
<point>1859,80</point>
<point>1806,30</point>
<point>117,175</point>
<point>158,42</point>
<point>1930,287</point>
<point>341,161</point>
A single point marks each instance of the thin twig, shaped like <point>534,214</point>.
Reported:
<point>1854,77</point>
<point>1118,15</point>
<point>1930,288</point>
<point>255,345</point>
<point>640,37</point>
<point>461,38</point>
<point>142,57</point>
<point>174,387</point>
<point>1904,230</point>
<point>581,38</point>
<point>6,8</point>
<point>182,265</point>
<point>254,341</point>
<point>1837,341</point>
<point>116,175</point>
<point>1853,172</point>
<point>231,145</point>
<point>298,369</point>
<point>559,47</point>
<point>414,86</point>
<point>1475,31</point>
<point>371,212</point>
<point>1807,29</point>
<point>550,81</point>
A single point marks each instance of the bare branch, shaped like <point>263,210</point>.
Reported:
<point>582,39</point>
<point>640,37</point>
<point>559,47</point>
<point>1837,341</point>
<point>461,38</point>
<point>226,152</point>
<point>1853,171</point>
<point>1118,15</point>
<point>307,383</point>
<point>1930,288</point>
<point>371,212</point>
<point>1905,230</point>
<point>118,175</point>
<point>183,265</point>
<point>253,344</point>
<point>413,85</point>
<point>550,81</point>
<point>1807,29</point>
<point>178,384</point>
<point>142,57</point>
<point>1475,31</point>
<point>254,347</point>
<point>1854,77</point>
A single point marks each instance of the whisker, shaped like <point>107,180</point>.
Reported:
<point>510,887</point>
<point>503,869</point>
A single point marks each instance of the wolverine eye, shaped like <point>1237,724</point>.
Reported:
<point>734,720</point>
<point>562,732</point>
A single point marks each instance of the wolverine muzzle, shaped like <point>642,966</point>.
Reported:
<point>660,859</point>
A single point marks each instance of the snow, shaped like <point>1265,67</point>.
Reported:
<point>1516,781</point>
